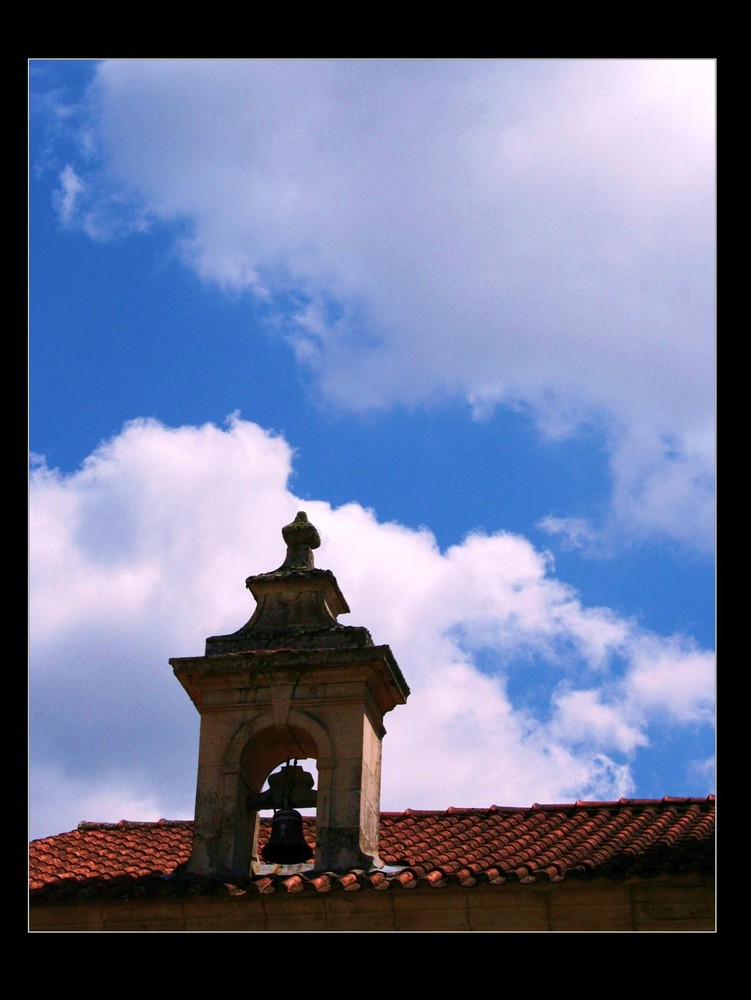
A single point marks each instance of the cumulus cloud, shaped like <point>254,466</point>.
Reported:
<point>143,552</point>
<point>528,233</point>
<point>582,717</point>
<point>674,679</point>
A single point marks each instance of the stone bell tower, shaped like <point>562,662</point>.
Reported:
<point>291,683</point>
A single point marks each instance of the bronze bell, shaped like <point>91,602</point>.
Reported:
<point>286,845</point>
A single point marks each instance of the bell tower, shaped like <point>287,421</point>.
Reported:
<point>291,683</point>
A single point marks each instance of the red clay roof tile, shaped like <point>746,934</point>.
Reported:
<point>321,883</point>
<point>294,883</point>
<point>434,848</point>
<point>349,882</point>
<point>378,881</point>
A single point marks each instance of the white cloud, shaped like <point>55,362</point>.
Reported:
<point>574,533</point>
<point>71,186</point>
<point>666,483</point>
<point>143,552</point>
<point>703,771</point>
<point>673,679</point>
<point>583,718</point>
<point>536,233</point>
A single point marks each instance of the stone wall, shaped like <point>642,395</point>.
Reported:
<point>659,904</point>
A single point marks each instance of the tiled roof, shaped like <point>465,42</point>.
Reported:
<point>466,847</point>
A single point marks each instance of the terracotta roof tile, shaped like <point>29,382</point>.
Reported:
<point>406,879</point>
<point>321,883</point>
<point>631,837</point>
<point>295,883</point>
<point>377,880</point>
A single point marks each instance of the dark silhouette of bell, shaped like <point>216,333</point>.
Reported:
<point>286,845</point>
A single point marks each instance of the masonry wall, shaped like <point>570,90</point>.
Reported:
<point>660,904</point>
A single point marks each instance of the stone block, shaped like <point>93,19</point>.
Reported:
<point>430,909</point>
<point>285,913</point>
<point>164,915</point>
<point>510,907</point>
<point>237,913</point>
<point>360,911</point>
<point>80,917</point>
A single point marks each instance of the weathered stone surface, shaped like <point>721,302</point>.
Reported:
<point>656,905</point>
<point>302,637</point>
<point>296,603</point>
<point>291,683</point>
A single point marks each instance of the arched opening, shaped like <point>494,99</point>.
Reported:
<point>310,764</point>
<point>285,841</point>
<point>259,754</point>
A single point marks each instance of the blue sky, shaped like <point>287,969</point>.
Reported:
<point>462,312</point>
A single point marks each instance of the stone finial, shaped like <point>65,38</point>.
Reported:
<point>297,605</point>
<point>301,538</point>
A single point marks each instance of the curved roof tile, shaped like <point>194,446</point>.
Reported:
<point>456,846</point>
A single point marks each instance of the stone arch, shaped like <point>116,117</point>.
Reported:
<point>259,745</point>
<point>256,749</point>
